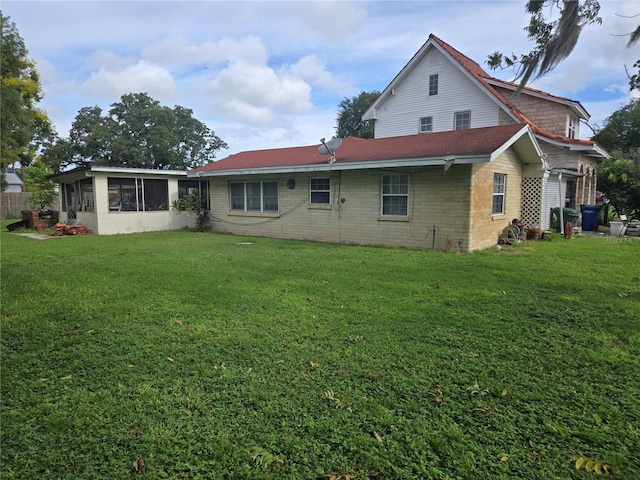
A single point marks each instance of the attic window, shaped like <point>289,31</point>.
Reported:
<point>433,85</point>
<point>434,58</point>
<point>572,127</point>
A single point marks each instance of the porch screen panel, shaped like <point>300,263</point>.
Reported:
<point>123,194</point>
<point>156,195</point>
<point>86,194</point>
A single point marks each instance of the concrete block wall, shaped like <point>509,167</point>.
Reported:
<point>485,227</point>
<point>436,199</point>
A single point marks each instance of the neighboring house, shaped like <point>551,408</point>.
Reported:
<point>123,200</point>
<point>455,158</point>
<point>14,183</point>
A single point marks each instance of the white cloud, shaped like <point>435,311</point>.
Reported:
<point>176,51</point>
<point>244,91</point>
<point>311,69</point>
<point>141,77</point>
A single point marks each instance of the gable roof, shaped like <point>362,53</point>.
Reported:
<point>13,179</point>
<point>486,83</point>
<point>466,146</point>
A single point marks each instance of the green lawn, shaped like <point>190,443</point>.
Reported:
<point>188,355</point>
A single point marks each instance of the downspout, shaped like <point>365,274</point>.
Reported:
<point>561,219</point>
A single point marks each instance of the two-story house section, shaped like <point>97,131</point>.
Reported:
<point>440,89</point>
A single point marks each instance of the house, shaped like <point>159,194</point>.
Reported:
<point>112,200</point>
<point>14,183</point>
<point>442,89</point>
<point>454,159</point>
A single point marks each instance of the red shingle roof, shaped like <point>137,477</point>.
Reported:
<point>477,141</point>
<point>481,76</point>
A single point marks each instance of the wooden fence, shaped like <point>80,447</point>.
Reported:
<point>11,203</point>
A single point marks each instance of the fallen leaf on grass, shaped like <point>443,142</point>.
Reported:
<point>503,457</point>
<point>378,437</point>
<point>68,377</point>
<point>138,466</point>
<point>170,359</point>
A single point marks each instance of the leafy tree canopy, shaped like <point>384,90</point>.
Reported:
<point>22,125</point>
<point>554,39</point>
<point>349,120</point>
<point>136,132</point>
<point>619,176</point>
<point>621,130</point>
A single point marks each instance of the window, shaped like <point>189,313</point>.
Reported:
<point>572,128</point>
<point>499,189</point>
<point>462,121</point>
<point>78,196</point>
<point>138,194</point>
<point>426,124</point>
<point>320,191</point>
<point>254,196</point>
<point>86,194</point>
<point>395,195</point>
<point>433,85</point>
<point>156,195</point>
<point>188,187</point>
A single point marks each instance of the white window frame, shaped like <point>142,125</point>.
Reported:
<point>319,191</point>
<point>426,125</point>
<point>394,186</point>
<point>461,116</point>
<point>433,85</point>
<point>499,196</point>
<point>572,127</point>
<point>246,194</point>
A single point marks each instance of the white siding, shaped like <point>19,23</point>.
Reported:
<point>400,114</point>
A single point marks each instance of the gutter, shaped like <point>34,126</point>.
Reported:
<point>327,167</point>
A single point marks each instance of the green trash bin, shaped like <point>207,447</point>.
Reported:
<point>569,215</point>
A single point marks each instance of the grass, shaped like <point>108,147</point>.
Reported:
<point>187,355</point>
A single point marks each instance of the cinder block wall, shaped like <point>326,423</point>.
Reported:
<point>436,199</point>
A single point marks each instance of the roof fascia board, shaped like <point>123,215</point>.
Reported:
<point>595,149</point>
<point>524,131</point>
<point>384,164</point>
<point>136,171</point>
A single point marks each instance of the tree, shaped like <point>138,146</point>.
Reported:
<point>22,125</point>
<point>554,39</point>
<point>619,176</point>
<point>137,132</point>
<point>349,120</point>
<point>37,182</point>
<point>621,130</point>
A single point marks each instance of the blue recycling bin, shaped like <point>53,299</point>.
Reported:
<point>590,217</point>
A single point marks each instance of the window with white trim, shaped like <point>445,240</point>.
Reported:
<point>433,85</point>
<point>572,127</point>
<point>426,124</point>
<point>499,190</point>
<point>395,195</point>
<point>320,191</point>
<point>462,121</point>
<point>254,196</point>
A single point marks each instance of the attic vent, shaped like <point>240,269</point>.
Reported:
<point>434,58</point>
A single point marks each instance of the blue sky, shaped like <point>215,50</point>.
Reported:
<point>271,74</point>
